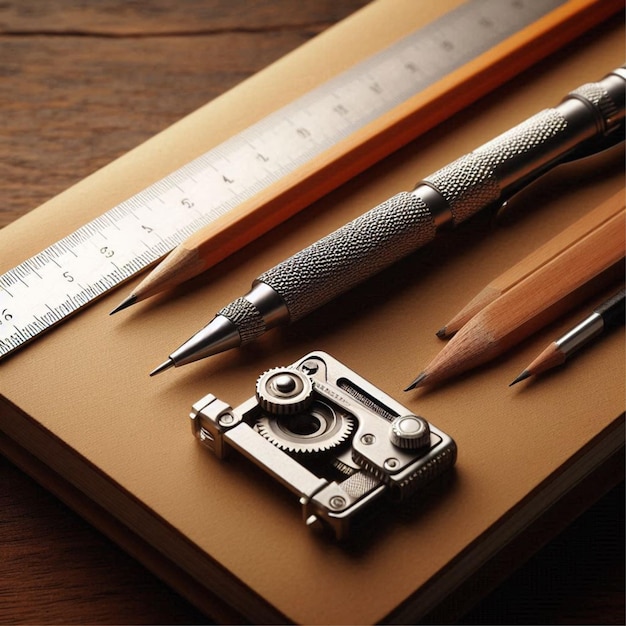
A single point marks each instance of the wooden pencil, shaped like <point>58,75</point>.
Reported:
<point>603,318</point>
<point>544,254</point>
<point>354,154</point>
<point>545,295</point>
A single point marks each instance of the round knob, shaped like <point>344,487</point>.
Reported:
<point>283,391</point>
<point>410,431</point>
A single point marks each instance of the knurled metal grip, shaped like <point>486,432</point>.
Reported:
<point>487,175</point>
<point>246,317</point>
<point>354,252</point>
<point>409,220</point>
<point>605,105</point>
<point>478,179</point>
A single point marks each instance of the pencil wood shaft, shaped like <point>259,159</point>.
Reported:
<point>550,357</point>
<point>406,221</point>
<point>182,262</point>
<point>604,317</point>
<point>376,140</point>
<point>557,245</point>
<point>542,297</point>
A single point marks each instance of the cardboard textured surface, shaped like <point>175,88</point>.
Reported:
<point>86,382</point>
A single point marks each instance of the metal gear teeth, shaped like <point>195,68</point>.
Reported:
<point>322,443</point>
<point>344,468</point>
<point>292,400</point>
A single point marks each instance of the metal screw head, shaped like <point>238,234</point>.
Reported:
<point>285,384</point>
<point>228,419</point>
<point>337,502</point>
<point>368,439</point>
<point>310,366</point>
<point>284,390</point>
<point>391,464</point>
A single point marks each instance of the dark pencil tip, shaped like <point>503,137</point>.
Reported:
<point>418,381</point>
<point>441,333</point>
<point>161,368</point>
<point>125,304</point>
<point>523,376</point>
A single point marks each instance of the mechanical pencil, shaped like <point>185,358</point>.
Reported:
<point>586,121</point>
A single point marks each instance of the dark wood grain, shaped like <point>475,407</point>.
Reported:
<point>56,569</point>
<point>82,82</point>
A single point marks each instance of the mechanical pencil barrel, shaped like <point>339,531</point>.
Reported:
<point>587,120</point>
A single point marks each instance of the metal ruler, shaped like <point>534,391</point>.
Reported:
<point>47,288</point>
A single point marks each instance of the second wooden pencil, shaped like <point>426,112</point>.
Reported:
<point>542,297</point>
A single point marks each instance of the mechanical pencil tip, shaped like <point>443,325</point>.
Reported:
<point>418,381</point>
<point>161,368</point>
<point>125,304</point>
<point>523,376</point>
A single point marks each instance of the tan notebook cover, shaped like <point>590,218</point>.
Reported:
<point>80,400</point>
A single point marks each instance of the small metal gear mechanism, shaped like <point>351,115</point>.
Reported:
<point>284,391</point>
<point>317,429</point>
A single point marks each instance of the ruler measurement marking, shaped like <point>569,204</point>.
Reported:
<point>215,182</point>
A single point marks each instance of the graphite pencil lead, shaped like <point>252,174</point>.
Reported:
<point>161,368</point>
<point>523,376</point>
<point>417,382</point>
<point>125,304</point>
<point>442,333</point>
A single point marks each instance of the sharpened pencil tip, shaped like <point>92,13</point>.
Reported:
<point>125,304</point>
<point>418,381</point>
<point>523,376</point>
<point>441,333</point>
<point>164,366</point>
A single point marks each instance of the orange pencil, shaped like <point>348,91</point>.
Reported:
<point>352,155</point>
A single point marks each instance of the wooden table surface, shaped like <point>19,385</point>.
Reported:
<point>80,84</point>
